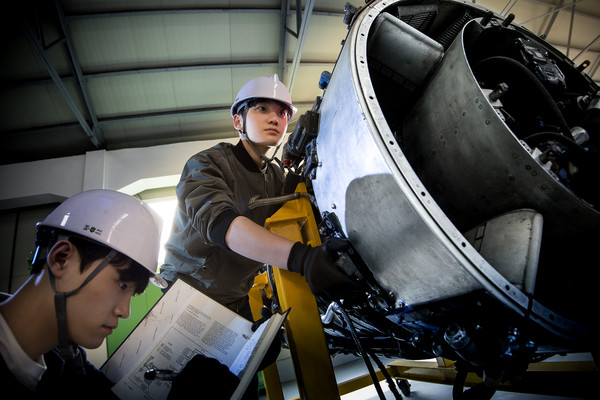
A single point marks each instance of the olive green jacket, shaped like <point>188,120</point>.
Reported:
<point>216,186</point>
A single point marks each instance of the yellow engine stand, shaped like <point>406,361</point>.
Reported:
<point>312,365</point>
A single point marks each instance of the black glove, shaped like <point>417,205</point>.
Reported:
<point>318,266</point>
<point>205,376</point>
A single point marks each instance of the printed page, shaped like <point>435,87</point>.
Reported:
<point>152,326</point>
<point>169,339</point>
<point>243,356</point>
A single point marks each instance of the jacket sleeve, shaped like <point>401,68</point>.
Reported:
<point>206,198</point>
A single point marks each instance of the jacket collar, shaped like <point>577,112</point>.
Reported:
<point>244,158</point>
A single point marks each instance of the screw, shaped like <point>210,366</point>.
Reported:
<point>498,91</point>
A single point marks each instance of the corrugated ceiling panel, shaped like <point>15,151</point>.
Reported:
<point>46,144</point>
<point>174,39</point>
<point>254,36</point>
<point>325,33</point>
<point>584,31</point>
<point>19,61</point>
<point>525,11</point>
<point>198,38</point>
<point>336,6</point>
<point>133,93</point>
<point>36,105</point>
<point>591,7</point>
<point>165,130</point>
<point>125,94</point>
<point>202,88</point>
<point>78,6</point>
<point>119,42</point>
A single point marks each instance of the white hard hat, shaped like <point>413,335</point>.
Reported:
<point>114,219</point>
<point>264,87</point>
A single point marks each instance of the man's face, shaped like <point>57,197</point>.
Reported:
<point>266,123</point>
<point>93,312</point>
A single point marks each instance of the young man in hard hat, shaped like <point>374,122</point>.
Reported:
<point>216,238</point>
<point>94,252</point>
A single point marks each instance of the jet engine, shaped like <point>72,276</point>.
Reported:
<point>458,154</point>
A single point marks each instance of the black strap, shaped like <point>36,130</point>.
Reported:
<point>60,304</point>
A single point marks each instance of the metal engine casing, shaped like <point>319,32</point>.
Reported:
<point>411,175</point>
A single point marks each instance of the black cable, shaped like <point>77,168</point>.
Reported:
<point>459,384</point>
<point>385,373</point>
<point>362,353</point>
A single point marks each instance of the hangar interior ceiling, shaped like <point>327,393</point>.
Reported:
<point>85,75</point>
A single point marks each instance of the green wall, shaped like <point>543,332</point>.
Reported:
<point>140,305</point>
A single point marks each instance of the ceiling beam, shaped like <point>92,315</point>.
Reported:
<point>177,113</point>
<point>553,18</point>
<point>570,35</point>
<point>137,71</point>
<point>282,60</point>
<point>308,8</point>
<point>552,5</point>
<point>555,10</point>
<point>136,117</point>
<point>508,7</point>
<point>150,70</point>
<point>38,47</point>
<point>340,14</point>
<point>134,13</point>
<point>586,48</point>
<point>96,130</point>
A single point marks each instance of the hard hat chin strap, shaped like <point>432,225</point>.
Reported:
<point>245,137</point>
<point>60,303</point>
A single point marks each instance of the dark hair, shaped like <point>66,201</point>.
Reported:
<point>90,251</point>
<point>254,100</point>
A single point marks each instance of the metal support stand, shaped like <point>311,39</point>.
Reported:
<point>310,356</point>
<point>557,378</point>
<point>270,374</point>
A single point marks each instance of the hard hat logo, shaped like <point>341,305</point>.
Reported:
<point>92,230</point>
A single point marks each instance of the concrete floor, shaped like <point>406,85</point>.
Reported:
<point>349,367</point>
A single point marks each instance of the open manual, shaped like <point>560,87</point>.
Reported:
<point>185,322</point>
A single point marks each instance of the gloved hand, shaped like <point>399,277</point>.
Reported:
<point>317,265</point>
<point>206,377</point>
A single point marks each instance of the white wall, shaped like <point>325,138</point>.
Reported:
<point>130,171</point>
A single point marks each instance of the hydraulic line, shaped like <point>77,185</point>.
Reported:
<point>364,355</point>
<point>385,373</point>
